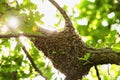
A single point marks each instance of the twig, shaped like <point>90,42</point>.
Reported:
<point>68,22</point>
<point>32,62</point>
<point>97,72</point>
<point>108,69</point>
<point>14,75</point>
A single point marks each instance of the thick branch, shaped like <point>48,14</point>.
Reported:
<point>68,22</point>
<point>32,62</point>
<point>104,56</point>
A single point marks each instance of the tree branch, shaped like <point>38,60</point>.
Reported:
<point>24,49</point>
<point>104,56</point>
<point>97,72</point>
<point>32,62</point>
<point>14,75</point>
<point>18,35</point>
<point>68,22</point>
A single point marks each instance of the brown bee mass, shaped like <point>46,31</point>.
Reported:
<point>64,50</point>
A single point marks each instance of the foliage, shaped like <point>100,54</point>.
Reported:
<point>101,16</point>
<point>13,61</point>
<point>100,30</point>
<point>97,22</point>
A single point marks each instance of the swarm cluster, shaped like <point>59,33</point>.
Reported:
<point>64,49</point>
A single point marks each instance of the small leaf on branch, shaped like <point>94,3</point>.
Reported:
<point>86,57</point>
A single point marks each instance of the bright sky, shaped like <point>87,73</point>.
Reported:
<point>49,11</point>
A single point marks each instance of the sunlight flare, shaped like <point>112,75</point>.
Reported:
<point>13,22</point>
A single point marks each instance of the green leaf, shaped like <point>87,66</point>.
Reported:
<point>111,38</point>
<point>116,47</point>
<point>86,57</point>
<point>54,52</point>
<point>48,72</point>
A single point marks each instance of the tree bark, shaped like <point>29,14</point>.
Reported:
<point>104,56</point>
